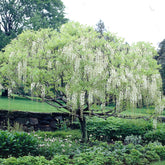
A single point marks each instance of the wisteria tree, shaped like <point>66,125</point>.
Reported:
<point>77,71</point>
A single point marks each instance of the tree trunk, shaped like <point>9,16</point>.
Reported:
<point>83,129</point>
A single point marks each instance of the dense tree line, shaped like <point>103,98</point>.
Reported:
<point>161,60</point>
<point>19,15</point>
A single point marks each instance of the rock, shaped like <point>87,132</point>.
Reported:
<point>49,118</point>
<point>33,121</point>
<point>44,122</point>
<point>45,128</point>
<point>53,124</point>
<point>21,120</point>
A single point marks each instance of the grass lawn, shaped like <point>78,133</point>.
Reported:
<point>141,112</point>
<point>130,112</point>
<point>138,111</point>
<point>23,104</point>
<point>17,103</point>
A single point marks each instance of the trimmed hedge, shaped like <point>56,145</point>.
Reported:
<point>116,129</point>
<point>155,135</point>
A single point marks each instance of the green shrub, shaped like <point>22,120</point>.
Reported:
<point>60,160</point>
<point>156,147</point>
<point>133,157</point>
<point>17,144</point>
<point>115,128</point>
<point>152,156</point>
<point>1,161</point>
<point>133,139</point>
<point>57,146</point>
<point>31,160</point>
<point>160,150</point>
<point>112,160</point>
<point>10,161</point>
<point>91,158</point>
<point>26,160</point>
<point>134,127</point>
<point>156,135</point>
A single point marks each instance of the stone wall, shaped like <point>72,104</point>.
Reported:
<point>33,121</point>
<point>38,121</point>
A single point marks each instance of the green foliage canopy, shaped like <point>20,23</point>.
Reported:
<point>18,15</point>
<point>82,70</point>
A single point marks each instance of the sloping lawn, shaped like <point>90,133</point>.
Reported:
<point>141,112</point>
<point>138,111</point>
<point>23,104</point>
<point>17,103</point>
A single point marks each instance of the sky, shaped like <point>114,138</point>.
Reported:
<point>134,20</point>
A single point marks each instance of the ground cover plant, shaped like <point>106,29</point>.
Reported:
<point>49,149</point>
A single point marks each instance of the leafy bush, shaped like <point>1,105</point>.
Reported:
<point>160,150</point>
<point>135,127</point>
<point>60,160</point>
<point>17,144</point>
<point>156,135</point>
<point>97,158</point>
<point>26,160</point>
<point>21,144</point>
<point>57,146</point>
<point>152,156</point>
<point>116,129</point>
<point>133,139</point>
<point>39,160</point>
<point>157,148</point>
<point>133,157</point>
<point>10,161</point>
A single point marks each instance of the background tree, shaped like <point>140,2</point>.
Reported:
<point>100,27</point>
<point>161,60</point>
<point>77,71</point>
<point>4,40</point>
<point>17,15</point>
<point>45,14</point>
